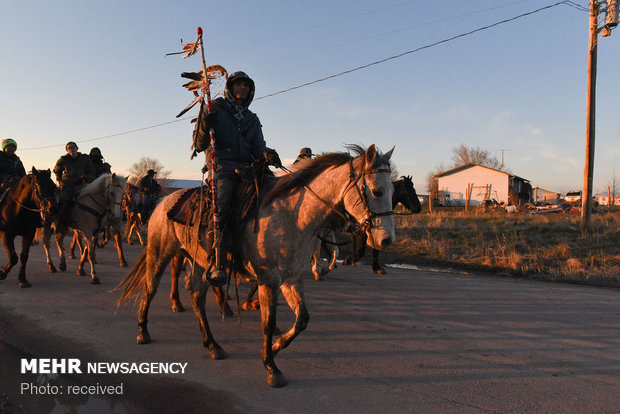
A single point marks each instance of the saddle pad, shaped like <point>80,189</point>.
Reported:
<point>185,206</point>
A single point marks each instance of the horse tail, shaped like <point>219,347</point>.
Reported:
<point>134,282</point>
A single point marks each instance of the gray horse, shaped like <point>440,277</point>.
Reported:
<point>291,215</point>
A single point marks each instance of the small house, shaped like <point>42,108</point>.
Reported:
<point>474,184</point>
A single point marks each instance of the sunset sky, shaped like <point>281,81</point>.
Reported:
<point>92,72</point>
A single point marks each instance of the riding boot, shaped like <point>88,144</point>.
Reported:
<point>217,275</point>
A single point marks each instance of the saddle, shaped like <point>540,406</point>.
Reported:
<point>254,179</point>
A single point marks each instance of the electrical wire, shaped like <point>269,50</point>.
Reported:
<point>346,72</point>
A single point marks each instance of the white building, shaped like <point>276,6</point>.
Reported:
<point>483,183</point>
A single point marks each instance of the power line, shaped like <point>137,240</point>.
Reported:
<point>346,72</point>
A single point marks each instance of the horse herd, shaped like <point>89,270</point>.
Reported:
<point>359,190</point>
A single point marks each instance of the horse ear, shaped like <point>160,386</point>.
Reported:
<point>388,154</point>
<point>34,170</point>
<point>371,153</point>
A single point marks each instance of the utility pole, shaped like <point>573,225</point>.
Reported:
<point>611,21</point>
<point>502,151</point>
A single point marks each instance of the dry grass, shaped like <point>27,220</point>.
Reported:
<point>548,246</point>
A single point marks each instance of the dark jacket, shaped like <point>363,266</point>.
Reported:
<point>149,185</point>
<point>10,167</point>
<point>238,135</point>
<point>100,166</point>
<point>70,171</point>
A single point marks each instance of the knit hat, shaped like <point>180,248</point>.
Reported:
<point>7,142</point>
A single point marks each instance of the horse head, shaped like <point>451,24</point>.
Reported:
<point>404,193</point>
<point>114,191</point>
<point>44,192</point>
<point>368,197</point>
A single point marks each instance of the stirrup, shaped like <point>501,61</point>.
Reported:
<point>217,277</point>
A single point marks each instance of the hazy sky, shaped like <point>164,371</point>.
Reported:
<point>84,70</point>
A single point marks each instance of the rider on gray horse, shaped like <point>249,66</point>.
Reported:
<point>239,142</point>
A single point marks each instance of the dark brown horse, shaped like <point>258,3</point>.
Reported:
<point>25,207</point>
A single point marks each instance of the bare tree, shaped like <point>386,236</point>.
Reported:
<point>140,169</point>
<point>466,155</point>
<point>432,185</point>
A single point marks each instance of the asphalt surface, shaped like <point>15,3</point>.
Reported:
<point>409,341</point>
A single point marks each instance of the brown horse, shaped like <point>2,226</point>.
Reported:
<point>131,205</point>
<point>289,219</point>
<point>25,207</point>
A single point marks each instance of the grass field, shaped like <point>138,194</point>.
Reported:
<point>546,246</point>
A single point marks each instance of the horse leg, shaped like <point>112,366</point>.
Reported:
<point>335,252</point>
<point>221,298</point>
<point>60,244</point>
<point>268,296</point>
<point>89,248</point>
<point>119,248</point>
<point>315,265</point>
<point>75,240</point>
<point>142,243</point>
<point>175,270</point>
<point>128,230</point>
<point>9,245</point>
<point>23,258</point>
<point>198,304</point>
<point>47,234</point>
<point>293,293</point>
<point>376,267</point>
<point>250,303</point>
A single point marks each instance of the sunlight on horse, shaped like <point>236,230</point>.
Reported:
<point>291,215</point>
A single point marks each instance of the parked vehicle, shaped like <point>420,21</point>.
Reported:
<point>573,197</point>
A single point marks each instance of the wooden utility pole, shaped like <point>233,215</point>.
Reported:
<point>611,21</point>
<point>588,172</point>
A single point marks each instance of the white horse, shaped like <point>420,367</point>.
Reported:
<point>291,215</point>
<point>97,206</point>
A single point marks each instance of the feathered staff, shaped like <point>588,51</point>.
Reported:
<point>200,85</point>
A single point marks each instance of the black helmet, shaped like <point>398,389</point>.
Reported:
<point>232,78</point>
<point>151,172</point>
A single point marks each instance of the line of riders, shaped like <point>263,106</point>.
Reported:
<point>73,170</point>
<point>240,145</point>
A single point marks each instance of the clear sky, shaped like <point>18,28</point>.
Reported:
<point>83,70</point>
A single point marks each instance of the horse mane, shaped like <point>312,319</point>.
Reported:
<point>290,183</point>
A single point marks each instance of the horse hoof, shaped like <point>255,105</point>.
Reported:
<point>52,269</point>
<point>71,256</point>
<point>379,270</point>
<point>62,266</point>
<point>143,339</point>
<point>123,263</point>
<point>3,275</point>
<point>217,353</point>
<point>81,272</point>
<point>24,284</point>
<point>276,380</point>
<point>177,308</point>
<point>318,277</point>
<point>95,280</point>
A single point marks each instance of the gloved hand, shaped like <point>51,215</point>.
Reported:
<point>211,119</point>
<point>272,158</point>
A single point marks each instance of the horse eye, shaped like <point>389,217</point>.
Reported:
<point>377,193</point>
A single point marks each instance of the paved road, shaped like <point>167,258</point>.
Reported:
<point>409,341</point>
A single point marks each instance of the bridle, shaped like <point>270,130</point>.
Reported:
<point>36,195</point>
<point>366,224</point>
<point>106,202</point>
<point>354,178</point>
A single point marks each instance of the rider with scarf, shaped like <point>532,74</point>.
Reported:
<point>239,142</point>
